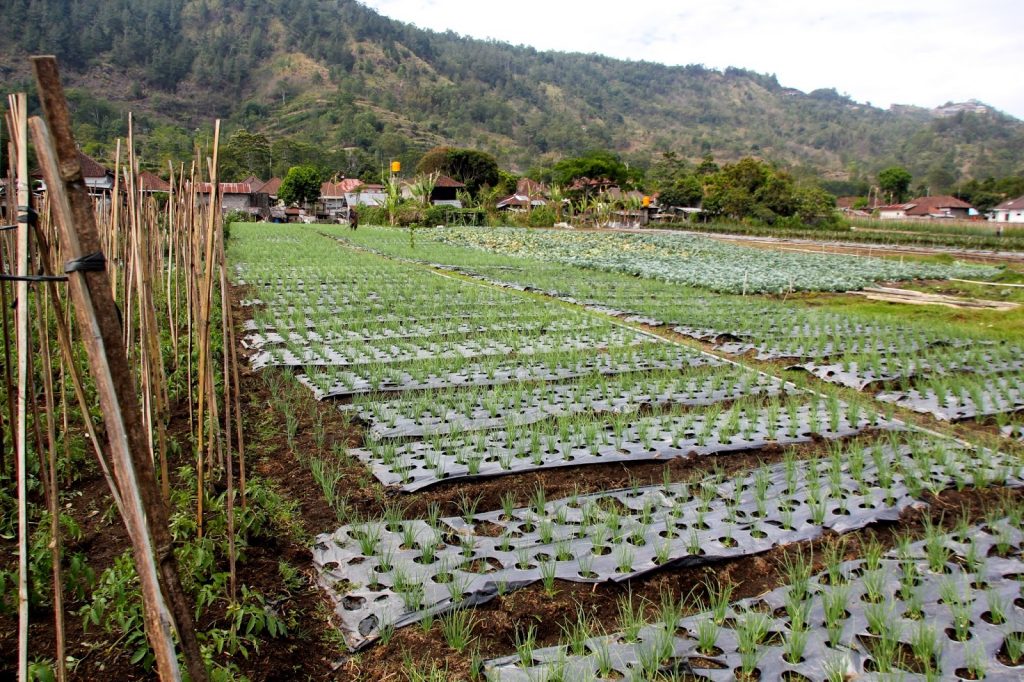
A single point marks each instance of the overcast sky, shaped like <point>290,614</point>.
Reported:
<point>923,52</point>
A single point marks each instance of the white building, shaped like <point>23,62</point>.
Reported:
<point>1011,211</point>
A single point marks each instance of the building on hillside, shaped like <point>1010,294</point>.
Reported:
<point>1011,211</point>
<point>928,208</point>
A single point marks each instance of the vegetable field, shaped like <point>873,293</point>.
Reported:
<point>603,457</point>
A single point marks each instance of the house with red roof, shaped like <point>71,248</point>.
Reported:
<point>333,204</point>
<point>529,194</point>
<point>269,188</point>
<point>234,196</point>
<point>446,192</point>
<point>97,177</point>
<point>151,183</point>
<point>927,208</point>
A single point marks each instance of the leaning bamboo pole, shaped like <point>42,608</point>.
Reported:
<point>97,313</point>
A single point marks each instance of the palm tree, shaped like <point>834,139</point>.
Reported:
<point>392,197</point>
<point>423,186</point>
<point>557,196</point>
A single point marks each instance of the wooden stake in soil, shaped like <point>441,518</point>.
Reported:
<point>97,315</point>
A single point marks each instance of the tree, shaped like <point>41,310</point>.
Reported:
<point>707,166</point>
<point>685,191</point>
<point>245,154</point>
<point>896,181</point>
<point>471,167</point>
<point>300,186</point>
<point>596,165</point>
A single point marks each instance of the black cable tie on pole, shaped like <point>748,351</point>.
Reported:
<point>94,262</point>
<point>27,214</point>
<point>5,228</point>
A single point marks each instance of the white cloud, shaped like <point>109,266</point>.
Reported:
<point>923,52</point>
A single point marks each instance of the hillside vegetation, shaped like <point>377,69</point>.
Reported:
<point>335,74</point>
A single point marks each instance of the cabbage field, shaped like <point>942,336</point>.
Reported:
<point>701,261</point>
<point>609,456</point>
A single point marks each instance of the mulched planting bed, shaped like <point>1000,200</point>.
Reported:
<point>948,606</point>
<point>392,572</point>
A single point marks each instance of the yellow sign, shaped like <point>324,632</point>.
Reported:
<point>396,166</point>
<point>647,202</point>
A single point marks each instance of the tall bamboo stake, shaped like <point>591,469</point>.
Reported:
<point>18,105</point>
<point>228,387</point>
<point>4,299</point>
<point>52,497</point>
<point>97,313</point>
<point>205,303</point>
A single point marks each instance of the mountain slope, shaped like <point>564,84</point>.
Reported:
<point>334,73</point>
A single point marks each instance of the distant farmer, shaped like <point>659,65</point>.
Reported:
<point>353,218</point>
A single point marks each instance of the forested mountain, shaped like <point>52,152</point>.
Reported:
<point>334,74</point>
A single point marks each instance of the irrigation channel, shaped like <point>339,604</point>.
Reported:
<point>467,362</point>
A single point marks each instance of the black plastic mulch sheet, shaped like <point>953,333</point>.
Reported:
<point>1000,396</point>
<point>415,465</point>
<point>393,420</point>
<point>906,600</point>
<point>341,355</point>
<point>392,573</point>
<point>352,383</point>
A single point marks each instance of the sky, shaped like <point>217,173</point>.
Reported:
<point>922,52</point>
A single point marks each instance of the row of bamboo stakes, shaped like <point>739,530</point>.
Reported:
<point>163,264</point>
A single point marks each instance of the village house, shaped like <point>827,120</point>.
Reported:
<point>269,188</point>
<point>529,194</point>
<point>365,195</point>
<point>445,192</point>
<point>97,178</point>
<point>928,208</point>
<point>332,204</point>
<point>151,183</point>
<point>1011,211</point>
<point>234,196</point>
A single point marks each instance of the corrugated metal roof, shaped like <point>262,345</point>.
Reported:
<point>1011,205</point>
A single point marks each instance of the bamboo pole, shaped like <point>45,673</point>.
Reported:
<point>97,314</point>
<point>4,298</point>
<point>205,304</point>
<point>115,204</point>
<point>52,497</point>
<point>19,109</point>
<point>228,389</point>
<point>64,341</point>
